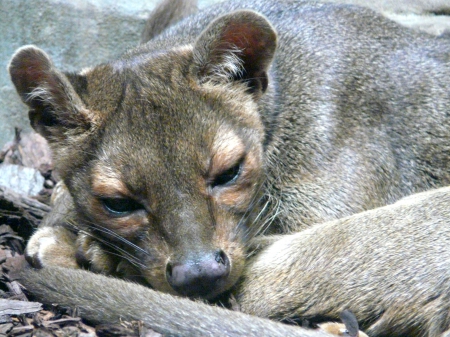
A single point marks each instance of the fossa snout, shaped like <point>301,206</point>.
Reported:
<point>199,275</point>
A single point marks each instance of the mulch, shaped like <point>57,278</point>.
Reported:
<point>20,215</point>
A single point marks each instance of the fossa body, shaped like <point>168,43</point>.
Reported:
<point>233,124</point>
<point>389,266</point>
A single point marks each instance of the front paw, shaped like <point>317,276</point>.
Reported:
<point>52,246</point>
<point>93,256</point>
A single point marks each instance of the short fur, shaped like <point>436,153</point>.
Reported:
<point>233,124</point>
<point>389,266</point>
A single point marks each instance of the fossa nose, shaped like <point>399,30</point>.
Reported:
<point>199,276</point>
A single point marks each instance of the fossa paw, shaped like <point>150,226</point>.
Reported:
<point>52,246</point>
<point>91,255</point>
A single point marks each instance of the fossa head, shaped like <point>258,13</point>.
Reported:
<point>162,151</point>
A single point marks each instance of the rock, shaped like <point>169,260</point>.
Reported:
<point>23,180</point>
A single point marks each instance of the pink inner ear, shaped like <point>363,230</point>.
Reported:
<point>29,69</point>
<point>35,69</point>
<point>248,38</point>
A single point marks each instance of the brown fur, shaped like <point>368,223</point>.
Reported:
<point>183,150</point>
<point>389,266</point>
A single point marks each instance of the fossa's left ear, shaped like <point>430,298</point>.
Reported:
<point>236,47</point>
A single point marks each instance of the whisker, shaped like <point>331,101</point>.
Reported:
<point>255,200</point>
<point>260,214</point>
<point>123,253</point>
<point>269,220</point>
<point>272,215</point>
<point>120,252</point>
<point>117,236</point>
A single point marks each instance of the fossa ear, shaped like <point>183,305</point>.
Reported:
<point>56,111</point>
<point>236,47</point>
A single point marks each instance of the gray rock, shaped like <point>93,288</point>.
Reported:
<point>23,180</point>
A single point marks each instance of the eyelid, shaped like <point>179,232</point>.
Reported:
<point>107,203</point>
<point>116,195</point>
<point>238,164</point>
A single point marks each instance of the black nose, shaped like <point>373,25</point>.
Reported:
<point>200,277</point>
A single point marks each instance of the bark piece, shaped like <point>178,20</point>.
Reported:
<point>23,212</point>
<point>30,150</point>
<point>14,307</point>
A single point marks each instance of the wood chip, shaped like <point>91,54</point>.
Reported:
<point>14,307</point>
<point>18,330</point>
<point>28,149</point>
<point>6,328</point>
<point>62,321</point>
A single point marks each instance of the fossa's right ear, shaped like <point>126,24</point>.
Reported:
<point>56,111</point>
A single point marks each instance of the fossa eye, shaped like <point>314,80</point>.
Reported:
<point>120,206</point>
<point>228,176</point>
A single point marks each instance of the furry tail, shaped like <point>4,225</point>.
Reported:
<point>166,14</point>
<point>102,299</point>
